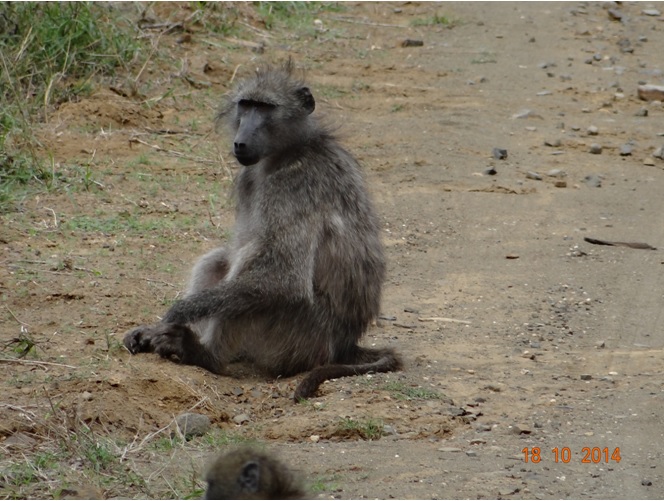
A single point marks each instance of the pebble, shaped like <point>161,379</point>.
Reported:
<point>86,395</point>
<point>499,153</point>
<point>651,12</point>
<point>389,430</point>
<point>556,173</point>
<point>651,92</point>
<point>553,142</point>
<point>642,112</point>
<point>544,93</point>
<point>593,181</point>
<point>595,149</point>
<point>625,150</point>
<point>192,424</point>
<point>592,130</point>
<point>586,377</point>
<point>478,441</point>
<point>240,418</point>
<point>533,175</point>
<point>449,449</point>
<point>614,14</point>
<point>471,454</point>
<point>314,438</point>
<point>646,482</point>
<point>521,429</point>
<point>659,153</point>
<point>560,184</point>
<point>491,171</point>
<point>648,161</point>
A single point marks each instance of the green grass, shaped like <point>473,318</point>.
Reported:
<point>294,15</point>
<point>402,391</point>
<point>435,20</point>
<point>368,429</point>
<point>50,53</point>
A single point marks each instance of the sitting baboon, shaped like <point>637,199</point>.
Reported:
<point>301,279</point>
<point>248,474</point>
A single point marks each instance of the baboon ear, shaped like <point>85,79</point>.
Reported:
<point>308,101</point>
<point>250,477</point>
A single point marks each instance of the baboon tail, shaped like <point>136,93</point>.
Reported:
<point>369,360</point>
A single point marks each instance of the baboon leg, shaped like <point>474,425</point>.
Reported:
<point>369,360</point>
<point>172,341</point>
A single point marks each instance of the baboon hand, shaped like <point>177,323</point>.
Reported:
<point>138,340</point>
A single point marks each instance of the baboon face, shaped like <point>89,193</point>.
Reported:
<point>269,115</point>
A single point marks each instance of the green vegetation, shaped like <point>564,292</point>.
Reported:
<point>402,391</point>
<point>368,429</point>
<point>49,54</point>
<point>433,21</point>
<point>294,15</point>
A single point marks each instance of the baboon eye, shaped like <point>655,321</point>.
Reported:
<point>250,103</point>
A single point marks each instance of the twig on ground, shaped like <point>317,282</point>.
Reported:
<point>35,362</point>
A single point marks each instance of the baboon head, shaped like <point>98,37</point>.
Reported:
<point>269,114</point>
<point>248,474</point>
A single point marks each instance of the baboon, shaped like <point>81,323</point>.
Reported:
<point>301,279</point>
<point>248,474</point>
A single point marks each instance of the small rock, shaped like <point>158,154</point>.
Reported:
<point>520,429</point>
<point>471,454</point>
<point>560,183</point>
<point>586,377</point>
<point>314,438</point>
<point>512,256</point>
<point>593,181</point>
<point>535,345</point>
<point>595,149</point>
<point>651,12</point>
<point>491,171</point>
<point>192,424</point>
<point>651,92</point>
<point>240,419</point>
<point>544,93</point>
<point>592,130</point>
<point>408,42</point>
<point>449,449</point>
<point>389,430</point>
<point>86,395</point>
<point>499,153</point>
<point>556,173</point>
<point>648,161</point>
<point>553,142</point>
<point>237,391</point>
<point>19,441</point>
<point>600,344</point>
<point>659,153</point>
<point>614,14</point>
<point>646,482</point>
<point>533,175</point>
<point>477,441</point>
<point>642,112</point>
<point>625,150</point>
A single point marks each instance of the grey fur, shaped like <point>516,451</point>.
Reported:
<point>301,279</point>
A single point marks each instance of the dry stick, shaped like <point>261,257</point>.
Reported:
<point>172,152</point>
<point>368,23</point>
<point>16,318</point>
<point>35,362</point>
<point>443,319</point>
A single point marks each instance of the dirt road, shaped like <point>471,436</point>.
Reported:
<point>519,336</point>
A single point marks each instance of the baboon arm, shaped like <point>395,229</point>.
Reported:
<point>233,299</point>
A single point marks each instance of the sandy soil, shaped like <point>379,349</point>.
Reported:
<point>554,342</point>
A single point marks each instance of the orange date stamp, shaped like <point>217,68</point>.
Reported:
<point>590,455</point>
